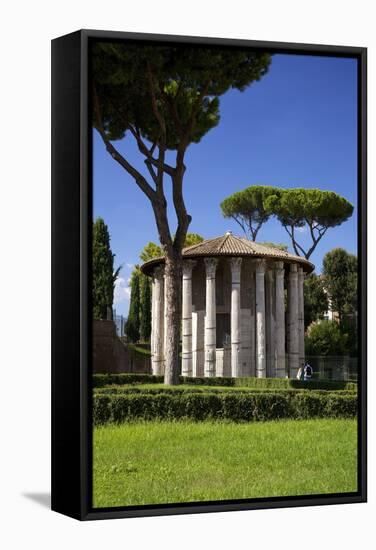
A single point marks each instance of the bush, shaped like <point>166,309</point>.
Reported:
<point>286,383</point>
<point>176,390</point>
<point>102,409</point>
<point>234,406</point>
<point>325,338</point>
<point>100,380</point>
<point>215,381</point>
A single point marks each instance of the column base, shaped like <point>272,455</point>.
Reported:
<point>157,367</point>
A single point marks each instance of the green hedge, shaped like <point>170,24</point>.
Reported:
<point>234,406</point>
<point>176,390</point>
<point>100,380</point>
<point>273,383</point>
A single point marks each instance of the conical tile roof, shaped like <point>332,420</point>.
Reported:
<point>231,245</point>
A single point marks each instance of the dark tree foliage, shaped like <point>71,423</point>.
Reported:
<point>104,276</point>
<point>315,299</point>
<point>249,208</point>
<point>145,308</point>
<point>340,270</point>
<point>312,208</point>
<point>138,85</point>
<point>325,338</point>
<point>165,97</point>
<point>132,326</point>
<point>152,250</point>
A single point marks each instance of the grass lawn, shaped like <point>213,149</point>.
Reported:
<point>169,462</point>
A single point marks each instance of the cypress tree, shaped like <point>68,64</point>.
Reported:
<point>145,310</point>
<point>103,271</point>
<point>132,327</point>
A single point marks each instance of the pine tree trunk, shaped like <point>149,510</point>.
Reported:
<point>173,270</point>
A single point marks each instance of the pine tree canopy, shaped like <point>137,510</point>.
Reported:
<point>185,83</point>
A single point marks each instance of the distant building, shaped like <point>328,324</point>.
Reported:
<point>119,321</point>
<point>330,315</point>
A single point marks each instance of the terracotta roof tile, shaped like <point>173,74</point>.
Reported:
<point>231,245</point>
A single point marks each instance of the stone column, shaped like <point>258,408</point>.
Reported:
<point>260,319</point>
<point>210,317</point>
<point>152,316</point>
<point>158,321</point>
<point>198,337</point>
<point>270,323</point>
<point>164,321</point>
<point>280,364</point>
<point>186,367</point>
<point>236,264</point>
<point>301,315</point>
<point>252,303</point>
<point>293,341</point>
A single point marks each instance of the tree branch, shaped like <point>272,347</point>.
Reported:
<point>150,170</point>
<point>148,153</point>
<point>295,244</point>
<point>138,177</point>
<point>241,224</point>
<point>184,219</point>
<point>316,241</point>
<point>255,230</point>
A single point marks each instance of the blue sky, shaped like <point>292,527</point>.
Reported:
<point>297,127</point>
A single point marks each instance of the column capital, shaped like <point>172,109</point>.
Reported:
<point>188,265</point>
<point>260,266</point>
<point>279,268</point>
<point>235,264</point>
<point>301,273</point>
<point>210,266</point>
<point>293,269</point>
<point>158,272</point>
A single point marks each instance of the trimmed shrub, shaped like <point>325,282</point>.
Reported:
<point>234,406</point>
<point>129,389</point>
<point>344,407</point>
<point>102,409</point>
<point>100,380</point>
<point>215,381</point>
<point>309,404</point>
<point>286,383</point>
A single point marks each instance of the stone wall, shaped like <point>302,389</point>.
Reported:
<point>110,355</point>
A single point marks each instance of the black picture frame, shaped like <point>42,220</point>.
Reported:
<point>71,227</point>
